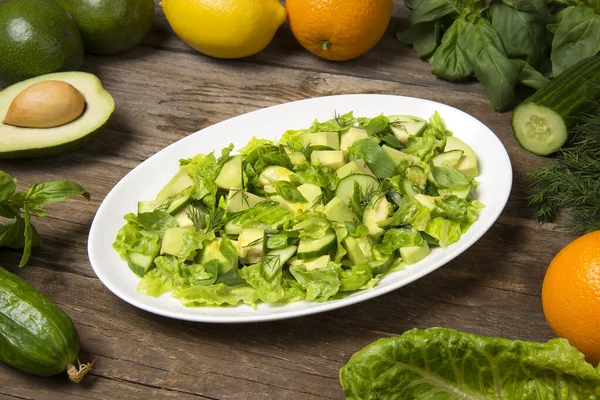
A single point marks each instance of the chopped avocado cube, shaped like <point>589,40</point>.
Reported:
<point>414,254</point>
<point>319,262</point>
<point>417,176</point>
<point>351,136</point>
<point>427,201</point>
<point>213,252</point>
<point>398,156</point>
<point>182,217</point>
<point>272,174</point>
<point>333,159</point>
<point>178,183</point>
<point>147,206</point>
<point>251,244</point>
<point>327,140</point>
<point>310,191</point>
<point>359,249</point>
<point>231,174</point>
<point>468,162</point>
<point>447,159</point>
<point>354,167</point>
<point>173,240</point>
<point>404,126</point>
<point>297,158</point>
<point>337,210</point>
<point>377,210</point>
<point>293,207</point>
<point>240,200</point>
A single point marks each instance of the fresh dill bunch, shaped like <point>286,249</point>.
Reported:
<point>573,182</point>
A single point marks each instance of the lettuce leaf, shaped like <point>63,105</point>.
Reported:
<point>395,238</point>
<point>131,237</point>
<point>337,124</point>
<point>320,283</point>
<point>444,230</point>
<point>268,290</point>
<point>161,279</point>
<point>447,364</point>
<point>216,295</point>
<point>268,215</point>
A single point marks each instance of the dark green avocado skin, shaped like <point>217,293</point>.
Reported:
<point>111,26</point>
<point>50,151</point>
<point>36,37</point>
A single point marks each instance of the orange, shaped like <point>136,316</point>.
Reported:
<point>339,30</point>
<point>571,295</point>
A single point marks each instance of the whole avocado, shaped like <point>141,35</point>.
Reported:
<point>111,26</point>
<point>37,37</point>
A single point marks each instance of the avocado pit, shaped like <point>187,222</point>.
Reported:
<point>46,104</point>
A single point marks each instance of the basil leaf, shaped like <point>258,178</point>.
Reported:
<point>522,33</point>
<point>377,159</point>
<point>449,61</point>
<point>377,125</point>
<point>424,37</point>
<point>577,37</point>
<point>7,186</point>
<point>431,10</point>
<point>485,52</point>
<point>28,242</point>
<point>52,192</point>
<point>529,76</point>
<point>289,192</point>
<point>538,7</point>
<point>450,178</point>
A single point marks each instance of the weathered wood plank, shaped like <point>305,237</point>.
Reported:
<point>165,91</point>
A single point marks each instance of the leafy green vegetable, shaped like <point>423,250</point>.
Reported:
<point>449,60</point>
<point>320,283</point>
<point>337,124</point>
<point>577,37</point>
<point>378,161</point>
<point>523,33</point>
<point>424,37</point>
<point>289,192</point>
<point>450,178</point>
<point>18,207</point>
<point>395,238</point>
<point>446,364</point>
<point>492,67</point>
<point>443,230</point>
<point>216,295</point>
<point>267,215</point>
<point>269,290</point>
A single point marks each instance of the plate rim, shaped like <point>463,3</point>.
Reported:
<point>330,305</point>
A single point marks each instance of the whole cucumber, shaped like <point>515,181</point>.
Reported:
<point>35,335</point>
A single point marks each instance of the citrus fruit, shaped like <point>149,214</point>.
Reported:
<point>225,28</point>
<point>339,30</point>
<point>571,295</point>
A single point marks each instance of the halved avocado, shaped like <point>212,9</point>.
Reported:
<point>17,142</point>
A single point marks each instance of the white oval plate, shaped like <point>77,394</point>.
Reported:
<point>144,182</point>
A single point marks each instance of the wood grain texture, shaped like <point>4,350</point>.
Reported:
<point>165,91</point>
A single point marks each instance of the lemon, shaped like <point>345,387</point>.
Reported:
<point>225,28</point>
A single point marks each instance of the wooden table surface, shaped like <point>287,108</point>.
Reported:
<point>164,91</point>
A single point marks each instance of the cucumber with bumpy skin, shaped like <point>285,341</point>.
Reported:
<point>542,123</point>
<point>35,335</point>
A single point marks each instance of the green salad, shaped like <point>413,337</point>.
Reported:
<point>324,212</point>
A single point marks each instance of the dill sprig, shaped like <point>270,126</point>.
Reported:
<point>573,182</point>
<point>211,221</point>
<point>343,122</point>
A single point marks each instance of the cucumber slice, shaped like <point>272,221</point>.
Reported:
<point>282,256</point>
<point>319,262</point>
<point>381,266</point>
<point>139,263</point>
<point>410,189</point>
<point>541,123</point>
<point>447,159</point>
<point>345,188</point>
<point>308,248</point>
<point>147,206</point>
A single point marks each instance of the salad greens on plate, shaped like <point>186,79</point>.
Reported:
<point>445,364</point>
<point>324,212</point>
